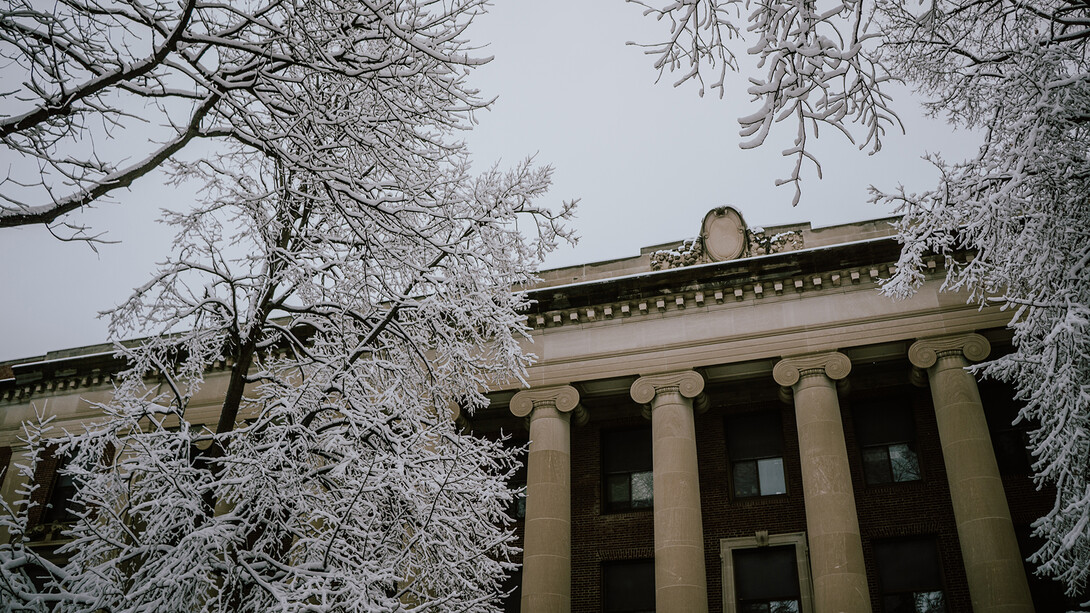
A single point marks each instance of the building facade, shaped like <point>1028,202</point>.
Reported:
<point>737,423</point>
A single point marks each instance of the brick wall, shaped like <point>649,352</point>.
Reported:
<point>915,508</point>
<point>598,537</point>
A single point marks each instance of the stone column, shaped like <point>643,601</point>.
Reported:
<point>681,584</point>
<point>546,554</point>
<point>989,548</point>
<point>836,549</point>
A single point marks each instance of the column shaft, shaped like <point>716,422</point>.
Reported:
<point>546,557</point>
<point>836,548</point>
<point>989,548</point>
<point>680,577</point>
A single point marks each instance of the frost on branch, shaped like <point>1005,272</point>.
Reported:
<point>101,93</point>
<point>818,60</point>
<point>357,280</point>
<point>1020,73</point>
<point>1017,72</point>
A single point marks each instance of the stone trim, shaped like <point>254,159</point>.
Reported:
<point>763,539</point>
<point>706,296</point>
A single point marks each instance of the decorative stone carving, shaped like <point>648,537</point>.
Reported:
<point>926,351</point>
<point>834,365</point>
<point>723,234</point>
<point>564,397</point>
<point>688,382</point>
<point>458,416</point>
<point>686,254</point>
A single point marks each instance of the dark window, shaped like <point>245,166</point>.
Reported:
<point>1009,440</point>
<point>626,468</point>
<point>755,446</point>
<point>886,434</point>
<point>512,588</point>
<point>5,460</point>
<point>61,508</point>
<point>909,576</point>
<point>766,580</point>
<point>628,586</point>
<point>518,482</point>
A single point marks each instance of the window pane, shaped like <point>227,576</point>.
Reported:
<point>625,451</point>
<point>770,472</point>
<point>754,435</point>
<point>898,603</point>
<point>1011,451</point>
<point>754,607</point>
<point>930,602</point>
<point>784,606</point>
<point>643,490</point>
<point>903,463</point>
<point>766,573</point>
<point>745,479</point>
<point>908,565</point>
<point>884,422</point>
<point>629,586</point>
<point>876,467</point>
<point>618,491</point>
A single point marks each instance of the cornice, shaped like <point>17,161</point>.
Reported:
<point>613,302</point>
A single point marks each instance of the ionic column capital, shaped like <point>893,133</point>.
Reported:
<point>832,364</point>
<point>458,415</point>
<point>564,398</point>
<point>688,383</point>
<point>925,352</point>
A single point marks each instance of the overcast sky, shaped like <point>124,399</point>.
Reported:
<point>646,161</point>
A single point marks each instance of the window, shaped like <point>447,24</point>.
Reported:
<point>61,509</point>
<point>886,433</point>
<point>626,468</point>
<point>909,576</point>
<point>755,446</point>
<point>766,580</point>
<point>766,574</point>
<point>517,509</point>
<point>628,586</point>
<point>1010,441</point>
<point>512,589</point>
<point>53,497</point>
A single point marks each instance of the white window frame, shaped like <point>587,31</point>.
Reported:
<point>763,539</point>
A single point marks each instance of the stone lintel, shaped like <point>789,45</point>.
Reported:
<point>832,364</point>
<point>564,398</point>
<point>925,352</point>
<point>689,384</point>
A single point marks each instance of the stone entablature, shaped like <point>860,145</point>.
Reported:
<point>752,279</point>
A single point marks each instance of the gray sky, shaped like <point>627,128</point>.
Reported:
<point>646,161</point>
